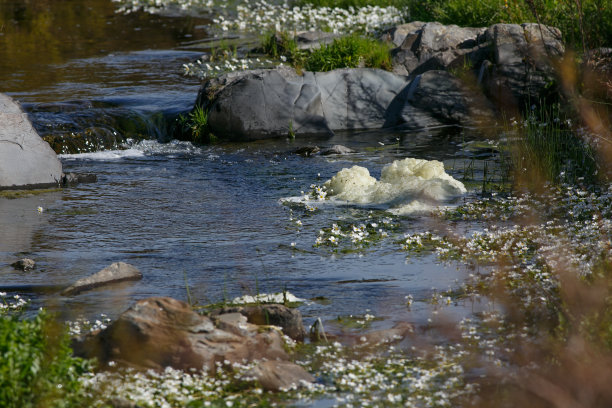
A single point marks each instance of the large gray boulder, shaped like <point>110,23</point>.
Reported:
<point>263,103</point>
<point>267,103</point>
<point>434,46</point>
<point>512,63</point>
<point>26,161</point>
<point>523,61</point>
<point>396,35</point>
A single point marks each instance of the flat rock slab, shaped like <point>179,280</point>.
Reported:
<point>164,332</point>
<point>26,160</point>
<point>116,272</point>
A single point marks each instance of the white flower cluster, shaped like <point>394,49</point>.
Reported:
<point>360,235</point>
<point>170,388</point>
<point>210,69</point>
<point>84,326</point>
<point>157,6</point>
<point>572,236</point>
<point>11,303</point>
<point>261,16</point>
<point>391,378</point>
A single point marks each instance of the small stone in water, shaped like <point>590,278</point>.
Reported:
<point>24,264</point>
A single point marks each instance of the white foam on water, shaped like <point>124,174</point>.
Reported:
<point>407,186</point>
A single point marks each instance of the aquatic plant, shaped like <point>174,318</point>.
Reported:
<point>346,237</point>
<point>262,16</point>
<point>13,303</point>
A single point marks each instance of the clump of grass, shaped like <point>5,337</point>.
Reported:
<point>37,367</point>
<point>350,52</point>
<point>195,126</point>
<point>546,144</point>
<point>281,45</point>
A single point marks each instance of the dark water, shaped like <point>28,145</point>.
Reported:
<point>204,218</point>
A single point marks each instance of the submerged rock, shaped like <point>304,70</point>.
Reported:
<point>72,179</point>
<point>395,334</point>
<point>24,264</point>
<point>164,332</point>
<point>26,161</point>
<point>336,149</point>
<point>279,375</point>
<point>116,272</point>
<point>307,151</point>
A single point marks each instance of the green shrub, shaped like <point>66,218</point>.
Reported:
<point>350,52</point>
<point>37,368</point>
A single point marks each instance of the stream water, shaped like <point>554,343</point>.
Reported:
<point>200,221</point>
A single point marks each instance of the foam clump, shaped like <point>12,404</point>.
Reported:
<point>406,186</point>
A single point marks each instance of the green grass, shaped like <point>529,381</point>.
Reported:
<point>350,52</point>
<point>550,149</point>
<point>282,44</point>
<point>37,368</point>
<point>346,52</point>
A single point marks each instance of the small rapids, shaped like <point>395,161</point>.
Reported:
<point>139,149</point>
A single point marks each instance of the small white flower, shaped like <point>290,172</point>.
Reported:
<point>40,210</point>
